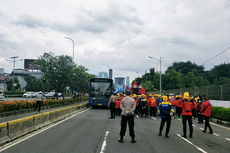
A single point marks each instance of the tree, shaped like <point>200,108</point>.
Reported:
<point>10,84</point>
<point>149,86</point>
<point>185,67</point>
<point>57,70</point>
<point>189,80</point>
<point>79,80</point>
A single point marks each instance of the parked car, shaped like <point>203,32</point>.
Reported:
<point>2,94</point>
<point>59,94</point>
<point>34,95</point>
<point>52,95</point>
<point>28,95</point>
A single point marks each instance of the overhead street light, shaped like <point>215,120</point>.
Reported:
<point>160,60</point>
<point>73,45</point>
<point>14,57</point>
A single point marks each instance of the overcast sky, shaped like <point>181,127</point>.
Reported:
<point>116,34</point>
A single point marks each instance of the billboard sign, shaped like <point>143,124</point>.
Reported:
<point>29,64</point>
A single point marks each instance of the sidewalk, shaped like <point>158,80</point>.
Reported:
<point>44,109</point>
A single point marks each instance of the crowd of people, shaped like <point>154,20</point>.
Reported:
<point>166,107</point>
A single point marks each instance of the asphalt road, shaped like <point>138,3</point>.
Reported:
<point>93,131</point>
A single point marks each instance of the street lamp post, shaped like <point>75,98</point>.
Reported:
<point>73,45</point>
<point>160,60</point>
<point>14,57</point>
<point>141,76</point>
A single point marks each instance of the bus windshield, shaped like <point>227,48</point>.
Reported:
<point>100,89</point>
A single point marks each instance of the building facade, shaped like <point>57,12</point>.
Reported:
<point>103,75</point>
<point>110,73</point>
<point>127,81</point>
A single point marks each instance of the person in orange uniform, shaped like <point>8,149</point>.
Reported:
<point>206,109</point>
<point>117,106</point>
<point>153,107</point>
<point>187,107</point>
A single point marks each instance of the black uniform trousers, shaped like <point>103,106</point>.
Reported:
<point>112,109</point>
<point>163,120</point>
<point>38,105</point>
<point>130,120</point>
<point>200,118</point>
<point>136,110</point>
<point>184,121</point>
<point>153,111</point>
<point>143,111</point>
<point>118,111</point>
<point>206,118</point>
<point>178,111</point>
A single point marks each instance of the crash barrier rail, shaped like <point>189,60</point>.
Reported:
<point>214,92</point>
<point>11,130</point>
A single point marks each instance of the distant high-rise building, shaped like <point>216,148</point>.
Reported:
<point>127,81</point>
<point>110,73</point>
<point>1,70</point>
<point>103,75</point>
<point>119,82</point>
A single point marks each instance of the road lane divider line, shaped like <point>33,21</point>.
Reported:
<point>220,126</point>
<point>201,128</point>
<point>11,144</point>
<point>216,134</point>
<point>179,119</point>
<point>104,142</point>
<point>227,139</point>
<point>194,125</point>
<point>198,148</point>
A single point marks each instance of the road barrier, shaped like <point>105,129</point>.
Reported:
<point>4,137</point>
<point>17,128</point>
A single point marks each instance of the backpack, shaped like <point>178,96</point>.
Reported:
<point>187,106</point>
<point>166,112</point>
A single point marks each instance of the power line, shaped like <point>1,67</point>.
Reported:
<point>216,55</point>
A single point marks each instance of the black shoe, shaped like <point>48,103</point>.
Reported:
<point>121,141</point>
<point>204,131</point>
<point>111,118</point>
<point>133,141</point>
<point>166,136</point>
<point>184,136</point>
<point>210,132</point>
<point>160,134</point>
<point>190,136</point>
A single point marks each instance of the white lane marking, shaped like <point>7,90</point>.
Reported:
<point>104,142</point>
<point>194,125</point>
<point>219,126</point>
<point>192,144</point>
<point>227,139</point>
<point>11,144</point>
<point>201,128</point>
<point>179,119</point>
<point>216,134</point>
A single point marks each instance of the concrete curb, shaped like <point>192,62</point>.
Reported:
<point>220,121</point>
<point>12,130</point>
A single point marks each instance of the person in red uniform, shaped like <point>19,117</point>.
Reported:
<point>153,107</point>
<point>117,106</point>
<point>206,109</point>
<point>187,107</point>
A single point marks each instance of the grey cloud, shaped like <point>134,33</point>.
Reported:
<point>28,21</point>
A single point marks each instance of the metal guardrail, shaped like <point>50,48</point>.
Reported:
<point>214,92</point>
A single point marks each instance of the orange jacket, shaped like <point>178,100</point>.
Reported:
<point>207,107</point>
<point>153,102</point>
<point>117,103</point>
<point>173,103</point>
<point>191,106</point>
<point>178,103</point>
